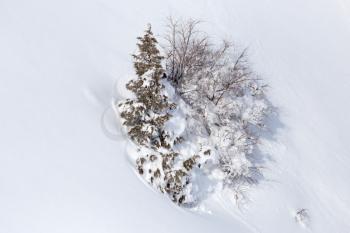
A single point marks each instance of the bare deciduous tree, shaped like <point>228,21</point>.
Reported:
<point>216,81</point>
<point>185,48</point>
<point>191,59</point>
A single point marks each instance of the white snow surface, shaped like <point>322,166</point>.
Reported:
<point>63,163</point>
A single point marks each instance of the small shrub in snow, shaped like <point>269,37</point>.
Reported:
<point>302,217</point>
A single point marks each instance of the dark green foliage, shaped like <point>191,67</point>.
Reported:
<point>148,56</point>
<point>207,152</point>
<point>146,115</point>
<point>176,181</point>
<point>139,163</point>
<point>189,163</point>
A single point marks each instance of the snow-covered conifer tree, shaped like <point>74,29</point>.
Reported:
<point>145,118</point>
<point>145,115</point>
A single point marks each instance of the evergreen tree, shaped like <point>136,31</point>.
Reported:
<point>146,115</point>
<point>148,56</point>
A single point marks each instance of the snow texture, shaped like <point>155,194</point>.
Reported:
<point>63,163</point>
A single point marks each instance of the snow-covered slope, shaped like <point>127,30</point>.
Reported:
<point>62,170</point>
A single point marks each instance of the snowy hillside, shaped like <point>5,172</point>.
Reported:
<point>63,162</point>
